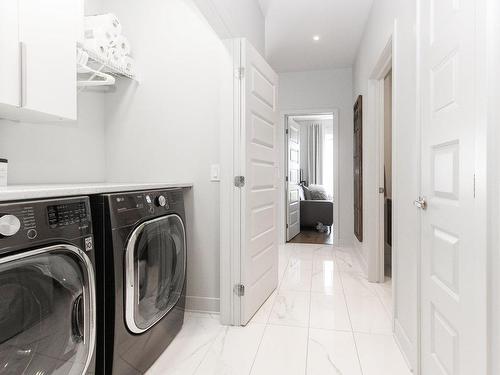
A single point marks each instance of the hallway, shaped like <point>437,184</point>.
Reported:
<point>312,236</point>
<point>325,318</point>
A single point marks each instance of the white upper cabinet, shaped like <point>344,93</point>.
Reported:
<point>10,72</point>
<point>38,59</point>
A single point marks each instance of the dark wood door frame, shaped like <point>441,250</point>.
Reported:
<point>358,168</point>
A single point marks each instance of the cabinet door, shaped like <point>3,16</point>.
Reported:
<point>48,37</point>
<point>10,73</point>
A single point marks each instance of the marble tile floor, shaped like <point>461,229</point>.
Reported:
<point>324,318</point>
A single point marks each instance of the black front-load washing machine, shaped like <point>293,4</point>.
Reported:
<point>141,240</point>
<point>47,287</point>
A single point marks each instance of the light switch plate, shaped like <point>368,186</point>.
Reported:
<point>215,172</point>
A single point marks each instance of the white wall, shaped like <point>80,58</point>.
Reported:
<point>236,19</point>
<point>378,32</point>
<point>167,127</point>
<point>66,152</point>
<point>327,89</point>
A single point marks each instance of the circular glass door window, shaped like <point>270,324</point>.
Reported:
<point>47,318</point>
<point>155,271</point>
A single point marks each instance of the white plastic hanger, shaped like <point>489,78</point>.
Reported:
<point>97,78</point>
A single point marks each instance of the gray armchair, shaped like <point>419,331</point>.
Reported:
<point>313,212</point>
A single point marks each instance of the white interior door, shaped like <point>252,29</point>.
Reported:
<point>293,180</point>
<point>259,214</point>
<point>453,321</point>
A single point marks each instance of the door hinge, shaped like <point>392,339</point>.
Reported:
<point>240,73</point>
<point>286,131</point>
<point>239,290</point>
<point>239,181</point>
<point>286,178</point>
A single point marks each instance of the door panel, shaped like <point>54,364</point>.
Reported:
<point>293,203</point>
<point>47,312</point>
<point>155,271</point>
<point>453,281</point>
<point>259,252</point>
<point>48,34</point>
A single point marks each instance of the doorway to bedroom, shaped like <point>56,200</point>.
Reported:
<point>311,177</point>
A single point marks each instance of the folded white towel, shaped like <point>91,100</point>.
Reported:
<point>122,45</point>
<point>99,46</point>
<point>103,37</point>
<point>107,22</point>
<point>101,33</point>
<point>114,56</point>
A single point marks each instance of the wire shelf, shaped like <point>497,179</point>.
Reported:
<point>107,65</point>
<point>98,70</point>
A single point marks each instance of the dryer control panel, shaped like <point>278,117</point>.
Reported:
<point>129,208</point>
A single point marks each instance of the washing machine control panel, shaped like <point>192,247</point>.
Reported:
<point>64,214</point>
<point>9,225</point>
<point>44,219</point>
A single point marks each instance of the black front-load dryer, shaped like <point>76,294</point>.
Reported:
<point>47,287</point>
<point>142,240</point>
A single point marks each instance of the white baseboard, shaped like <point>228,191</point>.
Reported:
<point>358,251</point>
<point>203,304</point>
<point>405,345</point>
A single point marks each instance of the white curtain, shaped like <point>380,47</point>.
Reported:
<point>315,151</point>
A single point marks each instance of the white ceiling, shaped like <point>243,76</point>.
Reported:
<point>291,25</point>
<point>302,118</point>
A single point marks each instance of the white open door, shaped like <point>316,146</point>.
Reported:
<point>453,271</point>
<point>259,194</point>
<point>293,180</point>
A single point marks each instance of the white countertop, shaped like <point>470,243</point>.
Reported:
<point>25,192</point>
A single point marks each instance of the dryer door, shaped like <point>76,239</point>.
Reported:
<point>47,313</point>
<point>155,263</point>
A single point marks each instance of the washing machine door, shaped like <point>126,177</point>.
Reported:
<point>155,270</point>
<point>47,313</point>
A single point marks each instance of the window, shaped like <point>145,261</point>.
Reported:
<point>328,160</point>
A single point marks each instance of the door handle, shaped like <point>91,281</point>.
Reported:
<point>421,203</point>
<point>22,74</point>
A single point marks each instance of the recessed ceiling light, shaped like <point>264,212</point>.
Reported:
<point>316,38</point>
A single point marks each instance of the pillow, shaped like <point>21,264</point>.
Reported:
<point>307,193</point>
<point>318,192</point>
<point>301,193</point>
